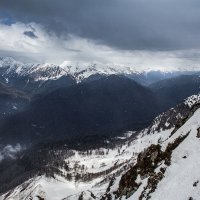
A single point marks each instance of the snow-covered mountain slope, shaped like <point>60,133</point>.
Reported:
<point>183,175</point>
<point>158,164</point>
<point>168,170</point>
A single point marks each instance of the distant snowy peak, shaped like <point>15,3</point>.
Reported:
<point>37,72</point>
<point>9,61</point>
<point>10,64</point>
<point>82,72</point>
<point>43,72</point>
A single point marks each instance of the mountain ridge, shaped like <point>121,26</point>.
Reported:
<point>46,71</point>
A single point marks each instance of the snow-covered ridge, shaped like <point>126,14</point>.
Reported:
<point>171,117</point>
<point>46,71</point>
<point>82,72</point>
<point>37,72</point>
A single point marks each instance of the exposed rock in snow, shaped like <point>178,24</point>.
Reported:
<point>174,116</point>
<point>192,100</point>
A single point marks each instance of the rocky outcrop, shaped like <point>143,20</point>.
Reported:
<point>198,132</point>
<point>147,163</point>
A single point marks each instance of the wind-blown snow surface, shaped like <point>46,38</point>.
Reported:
<point>181,178</point>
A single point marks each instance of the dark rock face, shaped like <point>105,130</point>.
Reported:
<point>146,163</point>
<point>198,133</point>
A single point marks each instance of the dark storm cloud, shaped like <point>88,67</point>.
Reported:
<point>30,34</point>
<point>123,24</point>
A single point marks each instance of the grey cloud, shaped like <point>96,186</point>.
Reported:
<point>122,24</point>
<point>10,151</point>
<point>30,34</point>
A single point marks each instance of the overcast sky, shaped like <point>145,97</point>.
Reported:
<point>138,33</point>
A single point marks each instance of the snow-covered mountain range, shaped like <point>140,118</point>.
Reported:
<point>161,162</point>
<point>38,72</point>
<point>44,72</point>
<point>9,67</point>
